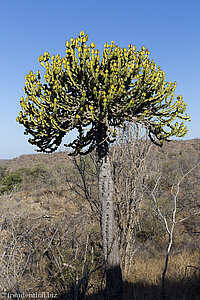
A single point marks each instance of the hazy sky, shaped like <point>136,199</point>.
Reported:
<point>169,29</point>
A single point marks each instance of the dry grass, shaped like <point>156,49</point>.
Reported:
<point>48,202</point>
<point>181,280</point>
<point>144,279</point>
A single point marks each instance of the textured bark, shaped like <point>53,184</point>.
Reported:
<point>108,228</point>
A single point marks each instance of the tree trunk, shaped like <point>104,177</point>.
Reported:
<point>114,282</point>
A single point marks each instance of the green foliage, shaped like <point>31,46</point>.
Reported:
<point>32,174</point>
<point>82,89</point>
<point>13,180</point>
<point>10,181</point>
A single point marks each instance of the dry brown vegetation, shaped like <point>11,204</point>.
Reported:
<point>49,223</point>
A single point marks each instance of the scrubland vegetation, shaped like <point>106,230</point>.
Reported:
<point>50,238</point>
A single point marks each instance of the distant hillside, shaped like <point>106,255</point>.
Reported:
<point>30,160</point>
<point>58,158</point>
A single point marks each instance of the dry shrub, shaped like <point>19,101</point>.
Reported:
<point>48,247</point>
<point>50,239</point>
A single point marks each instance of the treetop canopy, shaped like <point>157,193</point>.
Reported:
<point>84,91</point>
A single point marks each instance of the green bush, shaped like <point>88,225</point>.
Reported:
<point>35,173</point>
<point>16,179</point>
<point>10,181</point>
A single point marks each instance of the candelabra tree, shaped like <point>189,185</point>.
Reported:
<point>96,95</point>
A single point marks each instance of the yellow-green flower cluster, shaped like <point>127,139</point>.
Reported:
<point>82,89</point>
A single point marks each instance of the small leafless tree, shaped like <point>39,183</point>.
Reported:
<point>129,158</point>
<point>84,180</point>
<point>170,219</point>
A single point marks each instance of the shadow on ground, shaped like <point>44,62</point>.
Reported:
<point>189,289</point>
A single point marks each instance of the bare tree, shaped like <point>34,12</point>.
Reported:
<point>129,158</point>
<point>170,220</point>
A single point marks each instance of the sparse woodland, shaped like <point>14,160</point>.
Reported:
<point>102,96</point>
<point>50,237</point>
<point>118,102</point>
